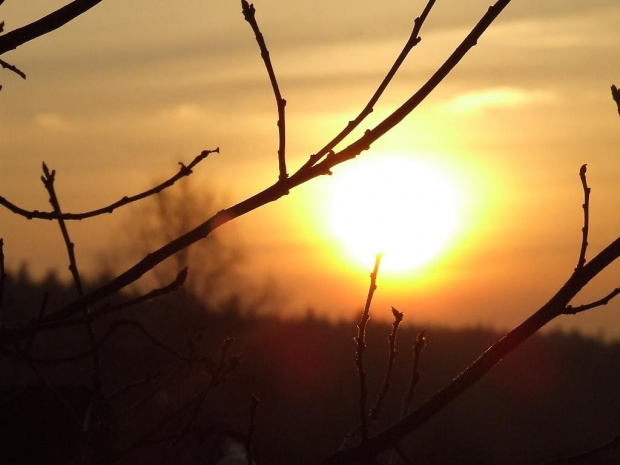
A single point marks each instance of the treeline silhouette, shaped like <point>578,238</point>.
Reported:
<point>557,394</point>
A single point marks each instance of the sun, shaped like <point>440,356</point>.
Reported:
<point>404,208</point>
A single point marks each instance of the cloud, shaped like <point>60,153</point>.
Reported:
<point>499,97</point>
<point>52,121</point>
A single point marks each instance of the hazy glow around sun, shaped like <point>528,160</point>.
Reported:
<point>405,208</point>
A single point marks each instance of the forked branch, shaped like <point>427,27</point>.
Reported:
<point>360,340</point>
<point>398,318</point>
<point>272,193</point>
<point>414,39</point>
<point>184,170</point>
<point>599,303</point>
<point>553,308</point>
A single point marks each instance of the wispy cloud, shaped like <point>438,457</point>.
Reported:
<point>499,97</point>
<point>52,121</point>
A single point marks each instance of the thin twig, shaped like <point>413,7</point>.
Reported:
<point>615,93</point>
<point>42,309</point>
<point>610,445</point>
<point>38,325</point>
<point>249,442</point>
<point>174,286</point>
<point>249,13</point>
<point>414,39</point>
<point>36,214</point>
<point>132,385</point>
<point>278,190</point>
<point>219,376</point>
<point>418,347</point>
<point>493,355</point>
<point>402,455</point>
<point>582,308</point>
<point>13,39</point>
<point>2,280</point>
<point>75,418</point>
<point>13,68</point>
<point>586,217</point>
<point>398,318</point>
<point>115,326</point>
<point>360,339</point>
<point>48,179</point>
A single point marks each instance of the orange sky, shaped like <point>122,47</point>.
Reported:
<point>118,97</point>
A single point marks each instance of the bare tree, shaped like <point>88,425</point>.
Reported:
<point>86,310</point>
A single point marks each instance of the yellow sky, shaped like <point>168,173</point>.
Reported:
<point>115,99</point>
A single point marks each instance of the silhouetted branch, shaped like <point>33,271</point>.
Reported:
<point>13,68</point>
<point>35,214</point>
<point>48,179</point>
<point>149,378</point>
<point>418,347</point>
<point>272,193</point>
<point>249,442</point>
<point>553,308</point>
<point>360,339</point>
<point>582,308</point>
<point>42,309</point>
<point>114,327</point>
<point>615,93</point>
<point>249,13</point>
<point>167,289</point>
<point>38,325</point>
<point>398,317</point>
<point>586,216</point>
<point>2,280</point>
<point>401,454</point>
<point>414,39</point>
<point>610,445</point>
<point>13,39</point>
<point>220,373</point>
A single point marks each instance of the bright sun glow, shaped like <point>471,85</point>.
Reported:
<point>404,208</point>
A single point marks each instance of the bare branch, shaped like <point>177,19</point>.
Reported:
<point>219,376</point>
<point>35,214</point>
<point>615,93</point>
<point>582,308</point>
<point>361,345</point>
<point>114,327</point>
<point>271,193</point>
<point>418,347</point>
<point>149,378</point>
<point>249,443</point>
<point>610,445</point>
<point>48,179</point>
<point>13,39</point>
<point>2,279</point>
<point>398,318</point>
<point>586,217</point>
<point>13,68</point>
<point>414,39</point>
<point>249,13</point>
<point>167,289</point>
<point>553,308</point>
<point>402,455</point>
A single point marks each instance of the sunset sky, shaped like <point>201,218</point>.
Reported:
<point>117,98</point>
